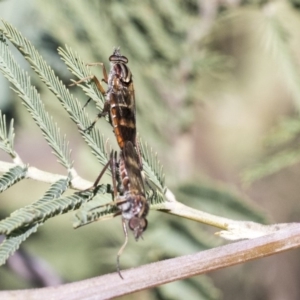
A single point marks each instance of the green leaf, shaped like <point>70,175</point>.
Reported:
<point>152,166</point>
<point>281,151</point>
<point>76,65</point>
<point>285,132</point>
<point>7,138</point>
<point>101,206</point>
<point>219,201</point>
<point>71,104</point>
<point>31,99</point>
<point>11,177</point>
<point>272,164</point>
<point>200,288</point>
<point>46,207</point>
<point>54,192</point>
<point>276,40</point>
<point>13,241</point>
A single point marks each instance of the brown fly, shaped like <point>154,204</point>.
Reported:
<point>129,193</point>
<point>120,98</point>
<point>127,177</point>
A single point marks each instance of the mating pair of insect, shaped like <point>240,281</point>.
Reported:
<point>127,178</point>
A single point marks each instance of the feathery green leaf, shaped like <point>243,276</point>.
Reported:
<point>100,206</point>
<point>71,104</point>
<point>44,208</point>
<point>55,191</point>
<point>31,99</point>
<point>216,199</point>
<point>276,40</point>
<point>152,166</point>
<point>76,65</point>
<point>13,241</point>
<point>155,196</point>
<point>11,177</point>
<point>7,138</point>
<point>285,132</point>
<point>272,164</point>
<point>161,40</point>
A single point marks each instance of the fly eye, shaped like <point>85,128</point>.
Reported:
<point>118,58</point>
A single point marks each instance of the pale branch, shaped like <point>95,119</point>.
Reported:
<point>17,159</point>
<point>172,206</point>
<point>77,183</point>
<point>111,285</point>
<point>232,230</point>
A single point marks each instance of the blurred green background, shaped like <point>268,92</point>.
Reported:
<point>218,95</point>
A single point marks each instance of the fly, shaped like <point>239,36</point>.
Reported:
<point>128,193</point>
<point>119,98</point>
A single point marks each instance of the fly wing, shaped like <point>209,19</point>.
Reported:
<point>132,165</point>
<point>130,101</point>
<point>126,102</point>
<point>122,100</point>
<point>125,98</point>
<point>122,119</point>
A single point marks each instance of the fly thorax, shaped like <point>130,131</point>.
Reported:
<point>122,72</point>
<point>126,208</point>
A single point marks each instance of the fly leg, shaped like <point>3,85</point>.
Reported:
<point>91,78</point>
<point>100,88</point>
<point>113,168</point>
<point>94,186</point>
<point>105,76</point>
<point>100,115</point>
<point>112,163</point>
